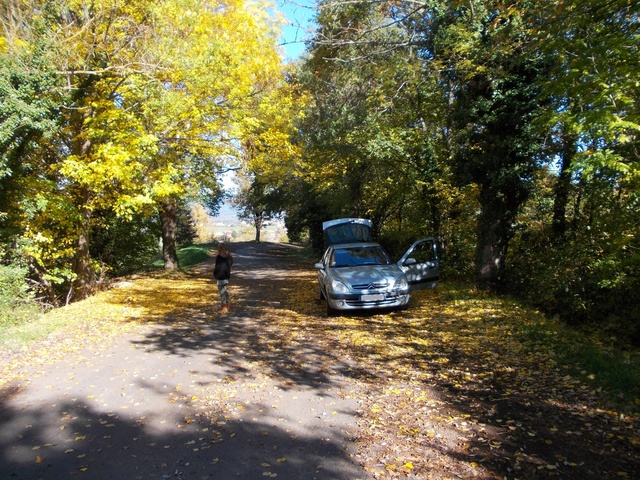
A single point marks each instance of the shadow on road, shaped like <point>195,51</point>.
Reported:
<point>195,395</point>
<point>275,388</point>
<point>77,440</point>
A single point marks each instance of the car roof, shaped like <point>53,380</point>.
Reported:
<point>355,245</point>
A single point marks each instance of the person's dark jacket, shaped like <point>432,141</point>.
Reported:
<point>222,270</point>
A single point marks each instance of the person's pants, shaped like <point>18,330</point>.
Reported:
<point>224,293</point>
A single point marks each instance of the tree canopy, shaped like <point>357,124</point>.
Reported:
<point>510,132</point>
<point>131,108</point>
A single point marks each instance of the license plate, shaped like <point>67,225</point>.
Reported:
<point>372,298</point>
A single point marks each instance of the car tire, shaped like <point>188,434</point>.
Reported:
<point>322,295</point>
<point>330,311</point>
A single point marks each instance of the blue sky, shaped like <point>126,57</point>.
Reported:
<point>299,14</point>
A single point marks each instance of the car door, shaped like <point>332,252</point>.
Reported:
<point>420,264</point>
<point>322,268</point>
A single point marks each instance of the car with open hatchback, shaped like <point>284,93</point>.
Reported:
<point>356,273</point>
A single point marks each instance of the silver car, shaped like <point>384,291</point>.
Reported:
<point>356,273</point>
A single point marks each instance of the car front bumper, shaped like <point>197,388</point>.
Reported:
<point>368,301</point>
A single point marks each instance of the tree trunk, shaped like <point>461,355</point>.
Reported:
<point>85,278</point>
<point>559,222</point>
<point>81,146</point>
<point>258,221</point>
<point>493,232</point>
<point>168,220</point>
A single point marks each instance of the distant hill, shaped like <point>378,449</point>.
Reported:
<point>227,215</point>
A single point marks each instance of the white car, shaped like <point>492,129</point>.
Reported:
<point>356,273</point>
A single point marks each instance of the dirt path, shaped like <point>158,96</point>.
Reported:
<point>195,398</point>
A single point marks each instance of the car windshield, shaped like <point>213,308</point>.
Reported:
<point>355,256</point>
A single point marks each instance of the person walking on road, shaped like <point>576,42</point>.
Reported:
<point>222,274</point>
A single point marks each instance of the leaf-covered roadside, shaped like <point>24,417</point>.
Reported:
<point>92,323</point>
<point>459,385</point>
<point>464,385</point>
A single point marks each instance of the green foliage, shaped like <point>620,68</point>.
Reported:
<point>257,202</point>
<point>592,49</point>
<point>305,212</point>
<point>371,147</point>
<point>13,285</point>
<point>437,121</point>
<point>27,114</point>
<point>185,227</point>
<point>148,100</point>
<point>398,139</point>
<point>17,303</point>
<point>124,246</point>
<point>28,118</point>
<point>431,121</point>
<point>592,274</point>
<point>495,146</point>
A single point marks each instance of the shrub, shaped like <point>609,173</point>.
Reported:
<point>126,246</point>
<point>17,302</point>
<point>584,284</point>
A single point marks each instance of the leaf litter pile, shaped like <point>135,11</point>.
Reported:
<point>458,385</point>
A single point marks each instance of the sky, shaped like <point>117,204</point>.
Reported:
<point>299,14</point>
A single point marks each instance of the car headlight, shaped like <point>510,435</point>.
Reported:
<point>401,284</point>
<point>339,287</point>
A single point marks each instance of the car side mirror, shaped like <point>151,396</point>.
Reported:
<point>319,266</point>
<point>410,261</point>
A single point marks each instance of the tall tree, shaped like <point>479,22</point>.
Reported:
<point>593,119</point>
<point>256,202</point>
<point>92,48</point>
<point>377,133</point>
<point>154,102</point>
<point>222,61</point>
<point>476,50</point>
<point>270,152</point>
<point>368,133</point>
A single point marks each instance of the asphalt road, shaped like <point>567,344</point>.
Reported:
<point>187,400</point>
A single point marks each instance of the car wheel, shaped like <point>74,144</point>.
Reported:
<point>321,295</point>
<point>330,311</point>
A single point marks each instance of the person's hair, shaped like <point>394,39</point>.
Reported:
<point>223,250</point>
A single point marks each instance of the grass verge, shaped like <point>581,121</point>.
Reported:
<point>191,255</point>
<point>587,354</point>
<point>27,324</point>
